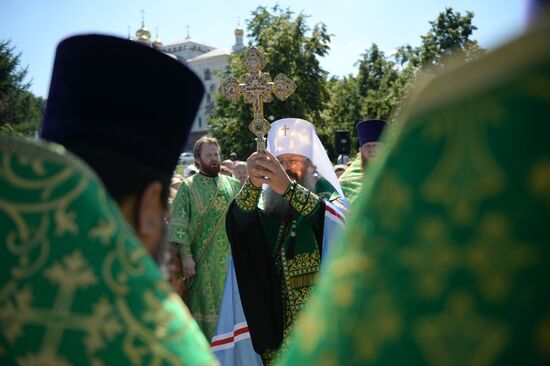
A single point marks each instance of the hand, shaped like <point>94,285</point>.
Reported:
<point>188,266</point>
<point>255,173</point>
<point>263,167</point>
<point>177,283</point>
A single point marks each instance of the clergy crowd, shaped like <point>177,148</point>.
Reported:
<point>430,247</point>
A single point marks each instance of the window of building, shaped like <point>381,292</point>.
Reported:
<point>200,122</point>
<point>207,75</point>
<point>212,88</point>
<point>208,98</point>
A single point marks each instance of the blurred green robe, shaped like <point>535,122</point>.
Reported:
<point>76,285</point>
<point>446,258</point>
<point>351,180</point>
<point>197,227</point>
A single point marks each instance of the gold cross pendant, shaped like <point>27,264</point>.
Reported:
<point>257,88</point>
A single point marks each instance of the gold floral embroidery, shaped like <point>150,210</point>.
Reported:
<point>304,201</point>
<point>539,180</point>
<point>299,273</point>
<point>432,258</point>
<point>495,278</point>
<point>395,201</point>
<point>248,197</point>
<point>385,325</point>
<point>542,337</point>
<point>60,231</point>
<point>303,263</point>
<point>465,153</point>
<point>70,274</point>
<point>460,335</point>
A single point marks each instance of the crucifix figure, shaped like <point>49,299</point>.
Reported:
<point>257,89</point>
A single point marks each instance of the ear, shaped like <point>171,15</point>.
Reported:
<point>150,217</point>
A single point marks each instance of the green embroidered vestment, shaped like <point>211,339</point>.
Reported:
<point>76,285</point>
<point>446,258</point>
<point>197,226</point>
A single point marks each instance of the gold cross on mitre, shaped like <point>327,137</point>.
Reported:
<point>257,89</point>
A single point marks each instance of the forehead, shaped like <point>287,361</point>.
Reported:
<point>208,147</point>
<point>290,156</point>
<point>370,144</point>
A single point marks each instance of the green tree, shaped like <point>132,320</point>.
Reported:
<point>449,41</point>
<point>20,111</point>
<point>376,78</point>
<point>449,35</point>
<point>292,48</point>
<point>343,109</point>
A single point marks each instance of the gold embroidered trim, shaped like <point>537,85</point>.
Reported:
<point>290,191</point>
<point>304,201</point>
<point>205,317</point>
<point>303,263</point>
<point>303,280</point>
<point>248,197</point>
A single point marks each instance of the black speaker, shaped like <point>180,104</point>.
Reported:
<point>342,142</point>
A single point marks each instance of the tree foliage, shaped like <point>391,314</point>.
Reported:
<point>292,48</point>
<point>377,91</point>
<point>20,111</point>
<point>383,81</point>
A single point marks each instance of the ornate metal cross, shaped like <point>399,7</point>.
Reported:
<point>284,129</point>
<point>257,89</point>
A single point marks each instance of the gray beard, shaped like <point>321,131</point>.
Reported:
<point>276,205</point>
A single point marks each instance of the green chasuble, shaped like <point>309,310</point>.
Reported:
<point>197,226</point>
<point>293,244</point>
<point>76,285</point>
<point>297,269</point>
<point>457,270</point>
<point>351,180</point>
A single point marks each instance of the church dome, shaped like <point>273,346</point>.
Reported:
<point>239,32</point>
<point>143,34</point>
<point>157,43</point>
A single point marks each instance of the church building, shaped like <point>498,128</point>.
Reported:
<point>205,60</point>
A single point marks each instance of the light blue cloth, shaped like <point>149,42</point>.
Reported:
<point>231,343</point>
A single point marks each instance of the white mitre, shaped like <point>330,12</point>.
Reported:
<point>297,136</point>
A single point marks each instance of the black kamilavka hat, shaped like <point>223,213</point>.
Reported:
<point>370,130</point>
<point>121,98</point>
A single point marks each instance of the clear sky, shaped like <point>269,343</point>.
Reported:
<point>36,26</point>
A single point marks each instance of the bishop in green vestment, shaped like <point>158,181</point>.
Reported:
<point>197,229</point>
<point>277,243</point>
<point>455,271</point>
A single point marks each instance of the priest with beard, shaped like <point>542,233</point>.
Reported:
<point>197,234</point>
<point>277,238</point>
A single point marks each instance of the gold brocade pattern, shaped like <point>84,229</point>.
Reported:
<point>463,271</point>
<point>248,197</point>
<point>299,274</point>
<point>76,286</point>
<point>198,224</point>
<point>539,179</point>
<point>464,148</point>
<point>304,201</point>
<point>303,263</point>
<point>434,257</point>
<point>459,335</point>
